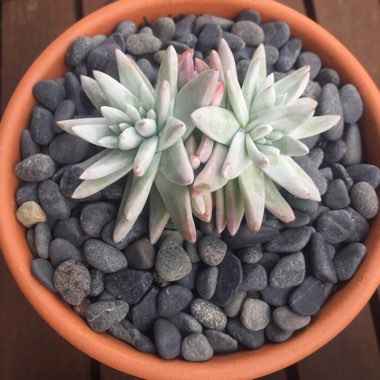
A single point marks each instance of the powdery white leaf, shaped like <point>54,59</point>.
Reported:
<point>93,91</point>
<point>254,153</point>
<point>144,156</point>
<point>67,125</point>
<point>234,206</point>
<point>158,215</point>
<point>129,139</point>
<point>174,129</point>
<point>146,127</point>
<point>92,133</point>
<point>220,210</point>
<point>162,103</point>
<point>289,146</point>
<point>315,126</point>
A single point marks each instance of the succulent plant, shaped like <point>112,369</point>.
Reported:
<point>256,130</point>
<point>146,134</point>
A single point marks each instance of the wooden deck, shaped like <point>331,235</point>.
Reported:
<point>29,349</point>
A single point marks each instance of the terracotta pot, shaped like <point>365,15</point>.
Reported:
<point>338,312</point>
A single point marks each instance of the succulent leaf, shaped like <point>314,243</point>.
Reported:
<point>130,139</point>
<point>220,210</point>
<point>316,125</point>
<point>93,91</point>
<point>234,206</point>
<point>174,129</point>
<point>67,125</point>
<point>92,133</point>
<point>158,215</point>
<point>144,156</point>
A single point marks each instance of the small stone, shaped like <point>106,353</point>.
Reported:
<point>61,250</point>
<point>72,281</point>
<point>74,92</point>
<point>289,53</point>
<point>113,192</point>
<point>234,41</point>
<point>316,156</point>
<point>242,68</point>
<point>254,277</point>
<point>27,145</point>
<point>308,58</point>
<point>97,282</point>
<point>364,199</point>
<point>78,50</point>
<point>65,111</point>
<point>360,227</point>
<point>186,324</point>
<point>42,239</point>
<point>327,173</point>
<point>353,142</point>
<point>328,75</point>
<point>79,70</point>
<point>111,69</point>
<point>275,334</point>
<point>201,21</point>
<point>30,240</point>
<point>102,315</point>
<point>335,151</point>
<point>196,348</point>
<point>42,126</point>
<point>289,240</point>
<point>184,26</point>
<point>128,333</point>
<point>164,28</point>
<point>147,68</point>
<point>250,255</point>
<point>289,271</point>
<point>336,196</point>
<point>321,261</point>
<point>167,339</point>
<point>352,104</point>
<point>30,213</point>
<point>104,257</point>
<point>269,260</point>
<point>140,254</point>
<point>206,282</point>
<point>192,250</point>
<point>145,312</point>
<point>250,339</point>
<point>339,171</point>
<point>53,201</point>
<point>308,298</point>
<point>271,54</point>
<point>208,314</point>
<point>118,39</point>
<point>190,279</point>
<point>245,238</point>
<point>277,33</point>
<point>98,57</point>
<point>68,149</point>
<point>27,192</point>
<point>35,168</point>
<point>44,272</point>
<point>251,33</point>
<point>170,239</point>
<point>313,90</point>
<point>212,250</point>
<point>143,43</point>
<point>173,299</point>
<point>335,226</point>
<point>365,172</point>
<point>220,342</point>
<point>233,308</point>
<point>189,40</point>
<point>288,320</point>
<point>129,285</point>
<point>71,231</point>
<point>255,314</point>
<point>106,296</point>
<point>126,28</point>
<point>173,263</point>
<point>49,93</point>
<point>209,228</point>
<point>95,216</point>
<point>275,296</point>
<point>244,55</point>
<point>348,259</point>
<point>209,37</point>
<point>301,219</point>
<point>329,104</point>
<point>250,15</point>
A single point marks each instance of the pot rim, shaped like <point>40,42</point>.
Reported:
<point>334,316</point>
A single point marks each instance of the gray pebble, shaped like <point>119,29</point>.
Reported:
<point>277,33</point>
<point>72,281</point>
<point>304,205</point>
<point>79,70</point>
<point>196,348</point>
<point>271,55</point>
<point>301,219</point>
<point>360,227</point>
<point>234,41</point>
<point>353,142</point>
<point>250,339</point>
<point>68,149</point>
<point>27,192</point>
<point>97,282</point>
<point>233,308</point>
<point>212,250</point>
<point>49,93</point>
<point>167,339</point>
<point>71,231</point>
<point>275,296</point>
<point>170,239</point>
<point>173,263</point>
<point>209,228</point>
<point>163,28</point>
<point>70,180</point>
<point>102,315</point>
<point>42,239</point>
<point>204,19</point>
<point>143,43</point>
<point>147,68</point>
<point>335,151</point>
<point>327,173</point>
<point>61,250</point>
<point>329,104</point>
<point>250,15</point>
<point>145,312</point>
<point>186,324</point>
<point>364,199</point>
<point>335,226</point>
<point>42,126</point>
<point>208,314</point>
<point>113,192</point>
<point>75,93</point>
<point>126,28</point>
<point>275,334</point>
<point>209,37</point>
<point>192,250</point>
<point>173,299</point>
<point>118,39</point>
<point>269,260</point>
<point>242,68</point>
<point>348,259</point>
<point>339,171</point>
<point>288,54</point>
<point>190,279</point>
<point>106,296</point>
<point>52,201</point>
<point>289,240</point>
<point>129,285</point>
<point>97,58</point>
<point>250,255</point>
<point>352,103</point>
<point>189,40</point>
<point>65,111</point>
<point>308,298</point>
<point>316,156</point>
<point>289,271</point>
<point>206,282</point>
<point>254,277</point>
<point>78,50</point>
<point>288,320</point>
<point>251,33</point>
<point>30,241</point>
<point>313,90</point>
<point>244,54</point>
<point>220,342</point>
<point>111,69</point>
<point>255,314</point>
<point>140,254</point>
<point>95,216</point>
<point>184,26</point>
<point>44,272</point>
<point>27,145</point>
<point>328,75</point>
<point>365,172</point>
<point>321,261</point>
<point>311,59</point>
<point>103,256</point>
<point>336,196</point>
<point>312,140</point>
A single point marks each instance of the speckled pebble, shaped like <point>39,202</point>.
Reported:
<point>348,259</point>
<point>251,33</point>
<point>126,28</point>
<point>289,240</point>
<point>97,282</point>
<point>208,314</point>
<point>255,314</point>
<point>364,199</point>
<point>95,216</point>
<point>49,93</point>
<point>206,282</point>
<point>196,348</point>
<point>365,172</point>
<point>173,263</point>
<point>30,213</point>
<point>212,250</point>
<point>233,308</point>
<point>289,271</point>
<point>352,104</point>
<point>163,28</point>
<point>78,50</point>
<point>288,320</point>
<point>277,33</point>
<point>52,201</point>
<point>335,226</point>
<point>254,277</point>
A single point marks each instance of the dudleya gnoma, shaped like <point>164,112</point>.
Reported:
<point>198,140</point>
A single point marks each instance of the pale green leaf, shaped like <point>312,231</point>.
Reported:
<point>158,215</point>
<point>220,210</point>
<point>67,125</point>
<point>110,142</point>
<point>162,103</point>
<point>146,127</point>
<point>254,153</point>
<point>289,146</point>
<point>315,126</point>
<point>144,156</point>
<point>114,116</point>
<point>129,139</point>
<point>174,129</point>
<point>260,131</point>
<point>93,91</point>
<point>92,133</point>
<point>234,206</point>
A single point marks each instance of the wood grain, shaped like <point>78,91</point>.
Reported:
<point>89,6</point>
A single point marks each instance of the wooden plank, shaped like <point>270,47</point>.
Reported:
<point>375,310</point>
<point>353,354</point>
<point>280,375</point>
<point>356,25</point>
<point>89,6</point>
<point>107,373</point>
